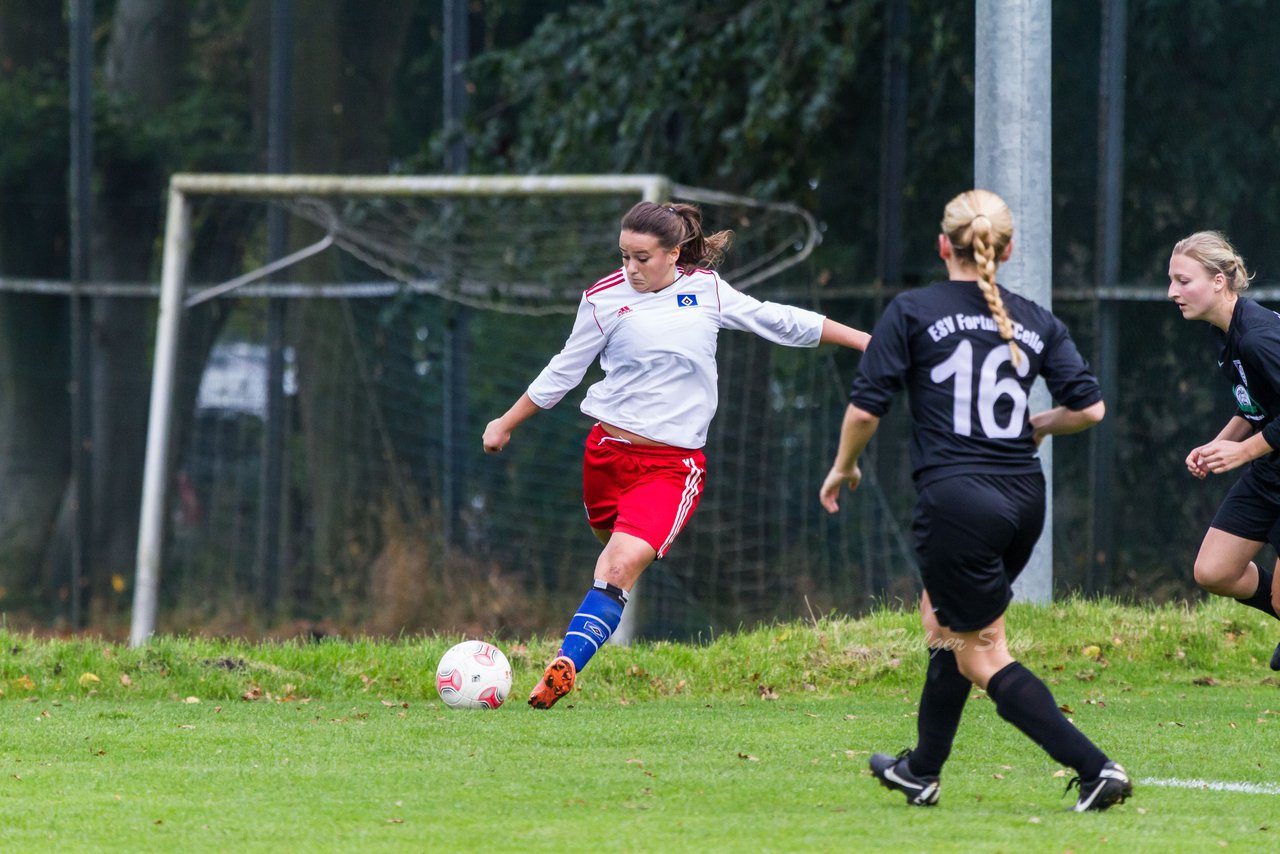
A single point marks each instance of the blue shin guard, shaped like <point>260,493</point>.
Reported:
<point>594,623</point>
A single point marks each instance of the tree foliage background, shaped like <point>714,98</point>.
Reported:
<point>778,100</point>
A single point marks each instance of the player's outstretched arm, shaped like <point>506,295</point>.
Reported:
<point>498,431</point>
<point>834,332</point>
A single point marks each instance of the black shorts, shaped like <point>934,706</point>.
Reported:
<point>1250,510</point>
<point>973,535</point>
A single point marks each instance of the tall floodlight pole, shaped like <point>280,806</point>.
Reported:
<point>1011,156</point>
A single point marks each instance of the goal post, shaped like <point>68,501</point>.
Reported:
<point>383,259</point>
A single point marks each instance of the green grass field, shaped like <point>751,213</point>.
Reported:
<point>754,741</point>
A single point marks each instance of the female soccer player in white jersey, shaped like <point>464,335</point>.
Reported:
<point>1207,279</point>
<point>653,325</point>
<point>967,352</point>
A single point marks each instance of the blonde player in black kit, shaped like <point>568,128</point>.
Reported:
<point>967,351</point>
<point>1207,279</point>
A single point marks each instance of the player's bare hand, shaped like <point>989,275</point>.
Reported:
<point>1223,455</point>
<point>1195,463</point>
<point>829,495</point>
<point>496,436</point>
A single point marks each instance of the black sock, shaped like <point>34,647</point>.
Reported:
<point>941,704</point>
<point>1261,598</point>
<point>1026,702</point>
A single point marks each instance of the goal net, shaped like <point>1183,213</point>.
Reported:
<point>314,439</point>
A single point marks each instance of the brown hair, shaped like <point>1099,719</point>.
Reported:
<point>679,225</point>
<point>980,225</point>
<point>1213,251</point>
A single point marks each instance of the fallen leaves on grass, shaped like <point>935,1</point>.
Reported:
<point>1206,681</point>
<point>748,757</point>
<point>766,692</point>
<point>638,763</point>
<point>255,692</point>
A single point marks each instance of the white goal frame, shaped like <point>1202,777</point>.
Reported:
<point>174,299</point>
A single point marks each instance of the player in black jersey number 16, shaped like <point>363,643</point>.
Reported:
<point>1207,279</point>
<point>967,351</point>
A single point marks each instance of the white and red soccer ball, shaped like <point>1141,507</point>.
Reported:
<point>473,675</point>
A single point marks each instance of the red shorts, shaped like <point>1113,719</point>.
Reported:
<point>647,492</point>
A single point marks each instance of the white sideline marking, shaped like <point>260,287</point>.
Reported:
<point>1215,785</point>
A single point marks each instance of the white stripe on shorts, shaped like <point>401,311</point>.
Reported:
<point>691,481</point>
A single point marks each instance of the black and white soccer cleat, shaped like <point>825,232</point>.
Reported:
<point>1275,658</point>
<point>1112,786</point>
<point>894,773</point>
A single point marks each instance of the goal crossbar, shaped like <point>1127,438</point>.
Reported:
<point>650,187</point>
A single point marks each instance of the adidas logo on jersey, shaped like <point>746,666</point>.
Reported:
<point>623,310</point>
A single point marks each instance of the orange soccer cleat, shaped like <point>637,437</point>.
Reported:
<point>554,684</point>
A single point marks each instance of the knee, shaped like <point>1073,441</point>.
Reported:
<point>932,630</point>
<point>973,670</point>
<point>610,572</point>
<point>619,569</point>
<point>1215,576</point>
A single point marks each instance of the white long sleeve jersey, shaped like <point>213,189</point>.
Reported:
<point>658,352</point>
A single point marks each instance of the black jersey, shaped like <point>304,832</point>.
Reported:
<point>968,403</point>
<point>1250,363</point>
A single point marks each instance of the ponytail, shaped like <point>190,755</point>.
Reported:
<point>679,225</point>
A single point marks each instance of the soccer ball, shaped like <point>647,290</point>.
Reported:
<point>473,675</point>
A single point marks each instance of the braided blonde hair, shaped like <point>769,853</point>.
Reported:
<point>979,225</point>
